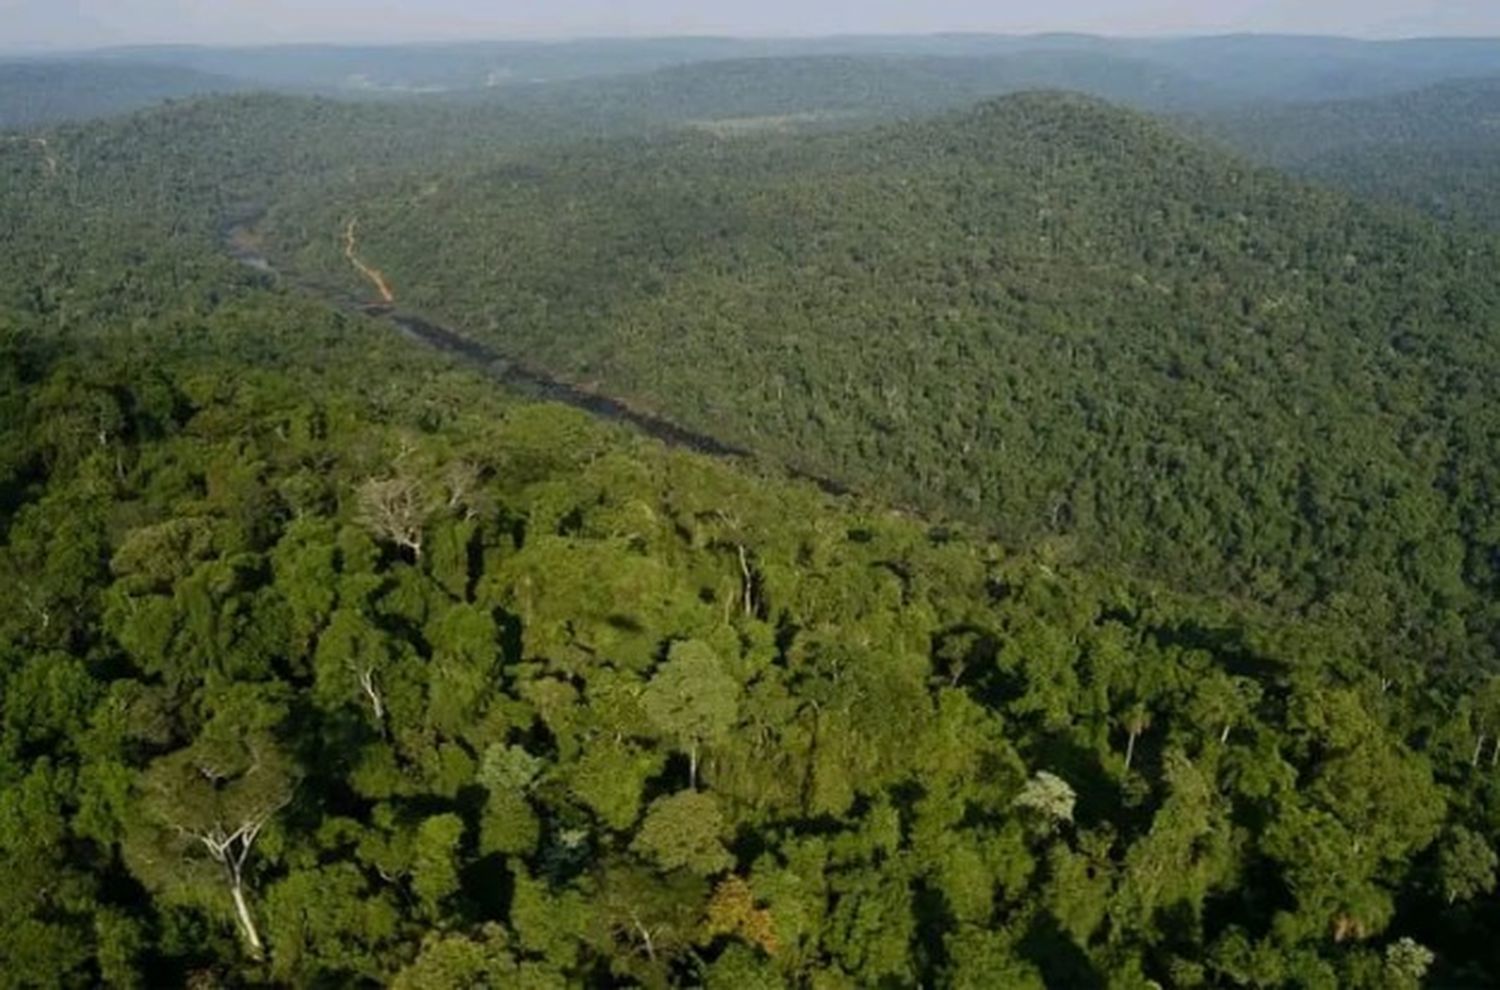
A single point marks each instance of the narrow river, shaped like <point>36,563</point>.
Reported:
<point>241,245</point>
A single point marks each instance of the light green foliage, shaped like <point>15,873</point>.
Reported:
<point>685,831</point>
<point>463,669</point>
<point>305,561</point>
<point>739,968</point>
<point>609,779</point>
<point>352,664</point>
<point>448,556</point>
<point>434,872</point>
<point>1049,797</point>
<point>509,769</point>
<point>329,923</point>
<point>1184,857</point>
<point>692,699</point>
<point>1407,962</point>
<point>1466,865</point>
<point>457,962</point>
<point>982,958</point>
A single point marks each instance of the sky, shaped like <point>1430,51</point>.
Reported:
<point>74,24</point>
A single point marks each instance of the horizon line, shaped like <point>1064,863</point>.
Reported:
<point>45,50</point>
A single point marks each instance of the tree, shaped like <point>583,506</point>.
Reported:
<point>1050,797</point>
<point>1137,719</point>
<point>1221,702</point>
<point>1485,705</point>
<point>454,961</point>
<point>1466,865</point>
<point>351,659</point>
<point>330,923</point>
<point>1407,963</point>
<point>732,911</point>
<point>685,831</point>
<point>693,699</point>
<point>213,800</point>
<point>644,922</point>
<point>395,509</point>
<point>979,959</point>
<point>1184,856</point>
<point>609,779</point>
<point>508,824</point>
<point>435,865</point>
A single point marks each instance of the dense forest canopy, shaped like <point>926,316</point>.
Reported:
<point>1434,148</point>
<point>329,662</point>
<point>1046,316</point>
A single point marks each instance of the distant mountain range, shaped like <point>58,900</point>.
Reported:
<point>1197,73</point>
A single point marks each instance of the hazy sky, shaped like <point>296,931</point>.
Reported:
<point>89,23</point>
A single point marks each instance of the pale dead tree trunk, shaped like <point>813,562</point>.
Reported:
<point>643,934</point>
<point>395,510</point>
<point>1137,720</point>
<point>231,851</point>
<point>248,923</point>
<point>693,767</point>
<point>37,609</point>
<point>748,579</point>
<point>647,941</point>
<point>462,480</point>
<point>1478,747</point>
<point>956,675</point>
<point>367,684</point>
<point>1224,735</point>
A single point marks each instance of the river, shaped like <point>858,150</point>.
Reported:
<point>239,242</point>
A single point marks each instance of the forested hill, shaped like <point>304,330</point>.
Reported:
<point>48,92</point>
<point>1436,148</point>
<point>327,663</point>
<point>1053,317</point>
<point>812,89</point>
<point>671,77</point>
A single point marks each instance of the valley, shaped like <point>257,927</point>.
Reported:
<point>943,511</point>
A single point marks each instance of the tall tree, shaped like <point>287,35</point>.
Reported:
<point>693,699</point>
<point>204,807</point>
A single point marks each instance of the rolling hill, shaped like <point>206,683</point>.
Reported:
<point>41,92</point>
<point>845,89</point>
<point>328,661</point>
<point>1256,67</point>
<point>680,78</point>
<point>1047,315</point>
<point>1435,148</point>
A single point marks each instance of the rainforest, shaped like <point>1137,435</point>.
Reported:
<point>919,512</point>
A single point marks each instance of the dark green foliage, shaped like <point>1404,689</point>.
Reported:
<point>608,713</point>
<point>1435,149</point>
<point>1052,318</point>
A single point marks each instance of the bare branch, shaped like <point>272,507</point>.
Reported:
<point>395,510</point>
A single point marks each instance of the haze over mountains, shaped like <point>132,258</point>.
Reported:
<point>1190,72</point>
